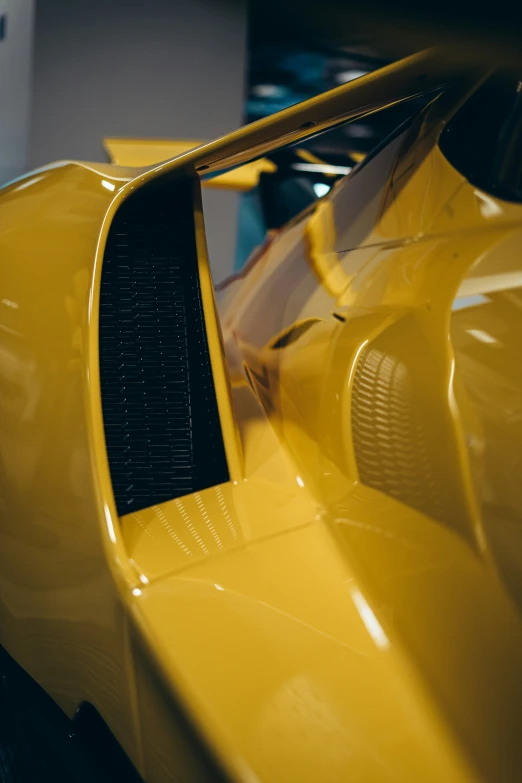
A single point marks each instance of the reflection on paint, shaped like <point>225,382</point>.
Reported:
<point>461,302</point>
<point>482,336</point>
<point>488,206</point>
<point>372,624</point>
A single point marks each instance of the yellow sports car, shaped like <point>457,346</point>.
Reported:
<point>272,535</point>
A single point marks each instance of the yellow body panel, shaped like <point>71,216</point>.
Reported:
<point>348,605</point>
<point>57,590</point>
<point>148,152</point>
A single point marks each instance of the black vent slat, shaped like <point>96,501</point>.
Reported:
<point>159,404</point>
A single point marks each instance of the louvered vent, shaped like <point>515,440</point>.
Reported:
<point>390,443</point>
<point>160,412</point>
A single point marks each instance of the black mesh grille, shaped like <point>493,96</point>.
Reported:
<point>159,405</point>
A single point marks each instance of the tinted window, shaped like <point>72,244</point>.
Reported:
<point>484,138</point>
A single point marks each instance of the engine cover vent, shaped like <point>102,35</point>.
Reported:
<point>160,412</point>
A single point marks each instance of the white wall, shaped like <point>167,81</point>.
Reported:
<point>161,68</point>
<point>15,83</point>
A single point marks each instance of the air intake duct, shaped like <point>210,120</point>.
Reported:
<point>160,411</point>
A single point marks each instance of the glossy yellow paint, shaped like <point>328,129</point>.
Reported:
<point>61,614</point>
<point>146,152</point>
<point>347,607</point>
<point>149,152</point>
